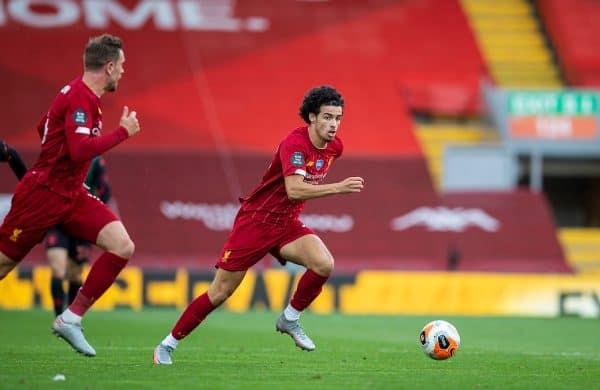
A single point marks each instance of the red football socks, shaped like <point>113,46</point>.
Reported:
<point>309,288</point>
<point>193,315</point>
<point>101,277</point>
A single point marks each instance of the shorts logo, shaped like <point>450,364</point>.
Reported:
<point>80,117</point>
<point>226,255</point>
<point>15,234</point>
<point>319,164</point>
<point>297,159</point>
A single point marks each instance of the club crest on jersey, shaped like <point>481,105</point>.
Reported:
<point>297,159</point>
<point>80,117</point>
<point>226,255</point>
<point>319,164</point>
<point>15,234</point>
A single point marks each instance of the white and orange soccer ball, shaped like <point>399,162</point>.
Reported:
<point>439,340</point>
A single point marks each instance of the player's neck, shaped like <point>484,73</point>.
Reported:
<point>317,141</point>
<point>95,82</point>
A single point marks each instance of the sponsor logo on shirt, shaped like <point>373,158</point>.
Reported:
<point>82,130</point>
<point>297,159</point>
<point>80,117</point>
<point>319,164</point>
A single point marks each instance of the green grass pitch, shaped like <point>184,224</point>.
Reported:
<point>243,351</point>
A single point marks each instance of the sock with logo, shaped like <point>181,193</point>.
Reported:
<point>193,315</point>
<point>102,275</point>
<point>58,295</point>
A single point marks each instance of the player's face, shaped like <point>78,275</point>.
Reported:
<point>327,122</point>
<point>115,71</point>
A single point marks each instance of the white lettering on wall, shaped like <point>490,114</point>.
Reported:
<point>327,222</point>
<point>216,217</point>
<point>219,217</point>
<point>100,13</point>
<point>166,15</point>
<point>67,13</point>
<point>443,219</point>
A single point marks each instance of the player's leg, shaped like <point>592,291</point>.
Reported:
<point>6,265</point>
<point>91,220</point>
<point>223,285</point>
<point>74,271</point>
<point>79,254</point>
<point>247,244</point>
<point>57,259</point>
<point>114,239</point>
<point>57,244</point>
<point>311,252</point>
<point>33,211</point>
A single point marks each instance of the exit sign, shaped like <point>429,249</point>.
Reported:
<point>559,115</point>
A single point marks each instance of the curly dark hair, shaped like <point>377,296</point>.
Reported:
<point>317,97</point>
<point>100,50</point>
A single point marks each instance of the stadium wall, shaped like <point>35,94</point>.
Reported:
<point>179,208</point>
<point>367,292</point>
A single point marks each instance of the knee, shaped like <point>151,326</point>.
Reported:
<point>58,273</point>
<point>324,267</point>
<point>220,293</point>
<point>123,247</point>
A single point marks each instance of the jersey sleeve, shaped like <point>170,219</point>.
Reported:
<point>293,155</point>
<point>78,127</point>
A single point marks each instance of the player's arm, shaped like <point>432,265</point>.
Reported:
<point>82,147</point>
<point>13,158</point>
<point>99,179</point>
<point>298,189</point>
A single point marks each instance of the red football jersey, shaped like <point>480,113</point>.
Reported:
<point>70,134</point>
<point>296,155</point>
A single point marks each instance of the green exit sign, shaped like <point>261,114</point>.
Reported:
<point>572,103</point>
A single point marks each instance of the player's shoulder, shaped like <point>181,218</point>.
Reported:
<point>75,92</point>
<point>298,136</point>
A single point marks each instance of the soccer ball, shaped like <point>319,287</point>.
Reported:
<point>439,340</point>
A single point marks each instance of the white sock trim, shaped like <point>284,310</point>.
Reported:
<point>291,314</point>
<point>70,317</point>
<point>170,341</point>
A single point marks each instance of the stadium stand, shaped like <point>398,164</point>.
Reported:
<point>512,42</point>
<point>436,137</point>
<point>214,103</point>
<point>575,32</point>
<point>582,248</point>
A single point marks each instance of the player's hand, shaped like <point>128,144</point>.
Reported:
<point>129,121</point>
<point>3,151</point>
<point>351,184</point>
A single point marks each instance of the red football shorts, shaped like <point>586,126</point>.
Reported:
<point>250,240</point>
<point>35,209</point>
